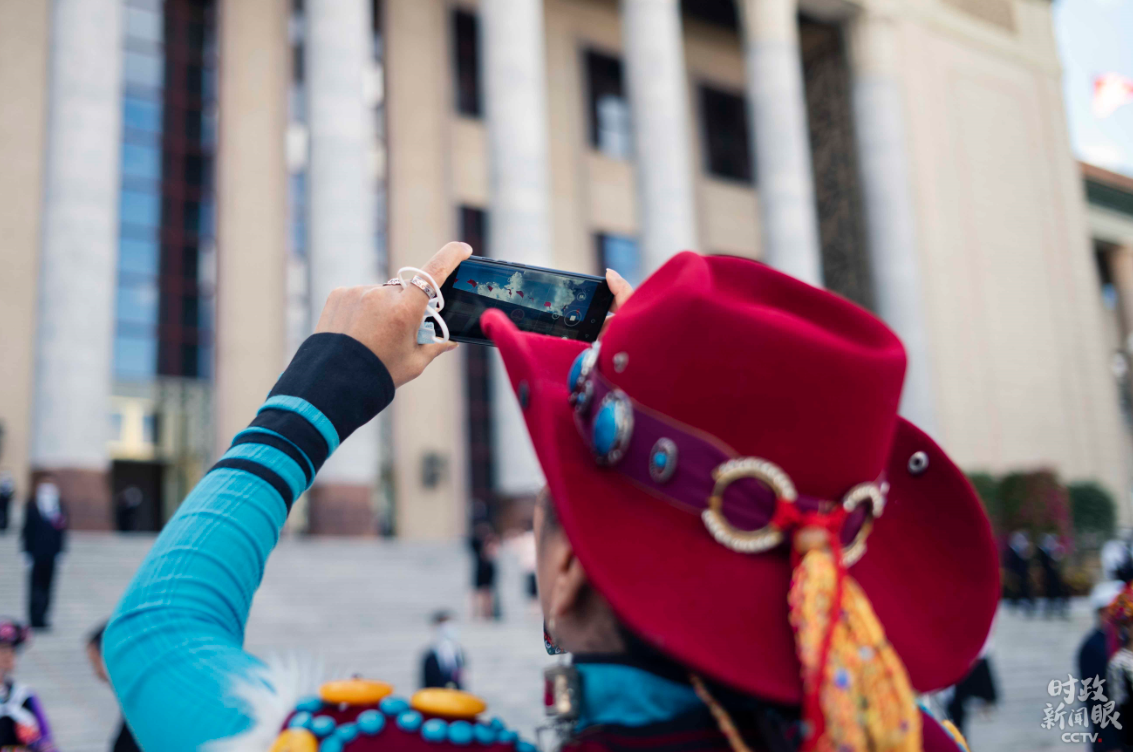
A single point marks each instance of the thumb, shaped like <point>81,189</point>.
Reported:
<point>431,352</point>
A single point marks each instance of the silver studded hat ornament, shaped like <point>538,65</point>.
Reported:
<point>726,407</point>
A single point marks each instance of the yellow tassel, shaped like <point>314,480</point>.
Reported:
<point>864,695</point>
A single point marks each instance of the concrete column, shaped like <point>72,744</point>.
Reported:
<point>784,178</point>
<point>1120,262</point>
<point>74,342</point>
<point>519,222</point>
<point>24,35</point>
<point>428,414</point>
<point>342,216</point>
<point>658,94</point>
<point>251,186</point>
<point>890,216</point>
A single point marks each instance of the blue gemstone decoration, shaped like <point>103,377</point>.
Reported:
<point>605,429</point>
<point>842,679</point>
<point>322,725</point>
<point>525,747</point>
<point>497,724</point>
<point>347,732</point>
<point>393,705</point>
<point>663,460</point>
<point>576,371</point>
<point>331,744</point>
<point>370,722</point>
<point>507,736</point>
<point>310,704</point>
<point>409,721</point>
<point>460,733</point>
<point>300,720</point>
<point>483,734</point>
<point>660,460</point>
<point>434,730</point>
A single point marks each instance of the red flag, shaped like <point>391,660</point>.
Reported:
<point>547,304</point>
<point>472,282</point>
<point>521,293</point>
<point>1111,91</point>
<point>489,288</point>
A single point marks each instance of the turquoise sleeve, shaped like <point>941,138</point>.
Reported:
<point>174,647</point>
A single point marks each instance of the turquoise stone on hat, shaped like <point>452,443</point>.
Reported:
<point>300,720</point>
<point>525,747</point>
<point>370,722</point>
<point>393,705</point>
<point>322,725</point>
<point>331,744</point>
<point>483,734</point>
<point>507,736</point>
<point>605,429</point>
<point>410,720</point>
<point>310,704</point>
<point>347,732</point>
<point>434,730</point>
<point>497,724</point>
<point>460,733</point>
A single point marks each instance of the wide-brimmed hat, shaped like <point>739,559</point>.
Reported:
<point>720,388</point>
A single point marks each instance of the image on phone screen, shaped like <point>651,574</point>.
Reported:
<point>560,304</point>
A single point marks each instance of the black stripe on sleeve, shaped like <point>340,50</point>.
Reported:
<point>341,377</point>
<point>298,431</point>
<point>258,437</point>
<point>258,470</point>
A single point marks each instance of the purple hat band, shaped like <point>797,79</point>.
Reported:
<point>675,462</point>
<point>12,633</point>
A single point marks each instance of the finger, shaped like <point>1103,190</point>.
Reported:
<point>432,351</point>
<point>444,262</point>
<point>619,287</point>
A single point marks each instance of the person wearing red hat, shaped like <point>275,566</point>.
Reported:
<point>741,543</point>
<point>23,725</point>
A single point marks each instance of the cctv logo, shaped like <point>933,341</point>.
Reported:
<point>1079,736</point>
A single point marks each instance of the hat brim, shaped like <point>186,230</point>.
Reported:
<point>930,569</point>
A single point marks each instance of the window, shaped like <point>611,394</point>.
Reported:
<point>724,122</point>
<point>474,229</point>
<point>466,43</point>
<point>610,128</point>
<point>1105,278</point>
<point>622,254</point>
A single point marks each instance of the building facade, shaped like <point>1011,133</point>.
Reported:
<point>189,178</point>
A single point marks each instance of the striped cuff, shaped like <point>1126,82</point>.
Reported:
<point>333,385</point>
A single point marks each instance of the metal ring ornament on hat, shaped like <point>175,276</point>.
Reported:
<point>875,494</point>
<point>746,541</point>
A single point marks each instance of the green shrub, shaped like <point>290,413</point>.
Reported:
<point>987,488</point>
<point>1092,509</point>
<point>1036,502</point>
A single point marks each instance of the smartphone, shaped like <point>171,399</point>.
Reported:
<point>545,301</point>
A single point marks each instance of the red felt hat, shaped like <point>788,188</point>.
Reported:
<point>741,360</point>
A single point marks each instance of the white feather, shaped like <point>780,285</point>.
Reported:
<point>268,697</point>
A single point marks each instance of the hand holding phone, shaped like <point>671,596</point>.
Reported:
<point>545,301</point>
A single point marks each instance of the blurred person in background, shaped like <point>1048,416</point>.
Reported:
<point>1093,657</point>
<point>979,685</point>
<point>23,724</point>
<point>1050,555</point>
<point>44,538</point>
<point>1018,566</point>
<point>7,492</point>
<point>443,663</point>
<point>485,548</point>
<point>1119,670</point>
<point>126,508</point>
<point>687,632</point>
<point>525,555</point>
<point>123,740</point>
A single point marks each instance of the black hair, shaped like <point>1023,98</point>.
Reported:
<point>94,639</point>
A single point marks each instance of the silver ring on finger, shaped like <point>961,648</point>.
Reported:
<point>421,284</point>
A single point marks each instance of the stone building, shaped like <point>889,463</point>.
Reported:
<point>185,180</point>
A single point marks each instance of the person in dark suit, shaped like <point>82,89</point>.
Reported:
<point>124,739</point>
<point>45,528</point>
<point>443,663</point>
<point>1093,657</point>
<point>7,491</point>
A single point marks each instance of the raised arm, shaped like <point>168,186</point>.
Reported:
<point>174,646</point>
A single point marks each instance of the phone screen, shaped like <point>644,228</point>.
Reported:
<point>560,304</point>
